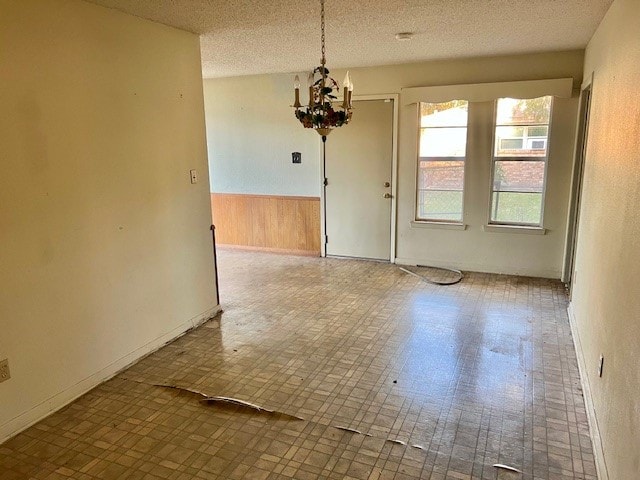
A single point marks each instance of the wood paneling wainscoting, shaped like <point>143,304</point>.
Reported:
<point>267,222</point>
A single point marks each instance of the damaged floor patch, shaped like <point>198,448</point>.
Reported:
<point>230,402</point>
<point>252,407</point>
<point>506,472</point>
<point>353,430</point>
<point>396,441</point>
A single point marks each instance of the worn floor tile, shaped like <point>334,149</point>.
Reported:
<point>474,374</point>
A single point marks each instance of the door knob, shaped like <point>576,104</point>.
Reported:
<point>386,195</point>
<point>387,184</point>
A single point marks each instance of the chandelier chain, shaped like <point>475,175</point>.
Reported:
<point>322,30</point>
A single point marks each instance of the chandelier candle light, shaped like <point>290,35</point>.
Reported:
<point>320,114</point>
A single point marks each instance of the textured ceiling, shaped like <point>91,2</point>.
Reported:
<point>244,37</point>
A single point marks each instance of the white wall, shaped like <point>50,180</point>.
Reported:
<point>606,295</point>
<point>105,248</point>
<point>251,134</point>
<point>251,131</point>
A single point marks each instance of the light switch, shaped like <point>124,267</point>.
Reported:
<point>194,176</point>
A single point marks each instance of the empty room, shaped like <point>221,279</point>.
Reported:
<point>320,239</point>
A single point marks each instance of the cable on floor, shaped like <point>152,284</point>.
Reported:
<point>457,279</point>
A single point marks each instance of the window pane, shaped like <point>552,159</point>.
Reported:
<point>518,208</point>
<point>441,175</point>
<point>521,141</point>
<point>518,176</point>
<point>440,184</point>
<point>447,114</point>
<point>443,142</point>
<point>440,205</point>
<point>539,131</point>
<point>514,111</point>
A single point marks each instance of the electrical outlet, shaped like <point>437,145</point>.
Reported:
<point>194,176</point>
<point>600,365</point>
<point>4,370</point>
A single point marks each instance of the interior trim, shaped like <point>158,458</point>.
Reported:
<point>260,195</point>
<point>282,251</point>
<point>442,225</point>
<point>514,229</point>
<point>594,430</point>
<point>479,267</point>
<point>486,92</point>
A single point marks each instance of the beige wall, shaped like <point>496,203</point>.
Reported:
<point>105,248</point>
<point>605,302</point>
<point>249,154</point>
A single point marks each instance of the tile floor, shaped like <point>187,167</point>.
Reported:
<point>478,373</point>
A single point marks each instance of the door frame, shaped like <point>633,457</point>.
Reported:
<point>394,97</point>
<point>573,221</point>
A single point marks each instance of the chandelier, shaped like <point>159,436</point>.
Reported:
<point>321,114</point>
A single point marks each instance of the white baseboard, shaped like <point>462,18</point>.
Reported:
<point>596,439</point>
<point>478,267</point>
<point>63,398</point>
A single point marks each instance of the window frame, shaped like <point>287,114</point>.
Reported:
<point>494,158</point>
<point>437,221</point>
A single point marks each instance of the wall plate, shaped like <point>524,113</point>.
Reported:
<point>5,374</point>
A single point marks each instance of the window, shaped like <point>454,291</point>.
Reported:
<point>441,156</point>
<point>520,160</point>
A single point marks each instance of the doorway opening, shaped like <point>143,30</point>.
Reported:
<point>569,273</point>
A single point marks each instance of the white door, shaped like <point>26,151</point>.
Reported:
<point>358,192</point>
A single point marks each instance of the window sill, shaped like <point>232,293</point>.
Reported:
<point>515,229</point>
<point>441,225</point>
